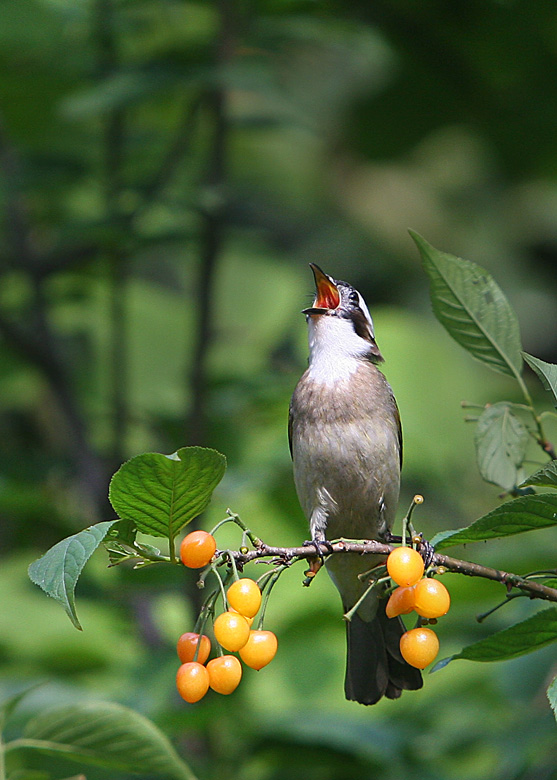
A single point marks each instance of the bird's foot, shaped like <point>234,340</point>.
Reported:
<point>318,543</point>
<point>317,561</point>
<point>426,550</point>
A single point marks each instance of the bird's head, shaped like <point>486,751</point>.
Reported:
<point>339,318</point>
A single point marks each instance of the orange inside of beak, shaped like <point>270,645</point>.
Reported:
<point>328,296</point>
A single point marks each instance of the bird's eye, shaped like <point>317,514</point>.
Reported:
<point>353,297</point>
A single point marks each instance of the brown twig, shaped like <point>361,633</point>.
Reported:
<point>532,588</point>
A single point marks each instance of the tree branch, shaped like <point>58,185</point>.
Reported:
<point>112,154</point>
<point>212,229</point>
<point>36,341</point>
<point>291,554</point>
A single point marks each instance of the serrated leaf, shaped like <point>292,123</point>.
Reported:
<point>163,493</point>
<point>58,570</point>
<point>525,637</point>
<point>552,695</point>
<point>107,735</point>
<point>501,440</point>
<point>526,513</point>
<point>544,477</point>
<point>547,372</point>
<point>472,307</point>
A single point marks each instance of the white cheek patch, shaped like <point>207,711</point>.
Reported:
<point>364,308</point>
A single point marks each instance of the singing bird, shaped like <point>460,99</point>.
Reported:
<point>346,445</point>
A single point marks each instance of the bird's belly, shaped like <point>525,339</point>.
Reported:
<point>347,478</point>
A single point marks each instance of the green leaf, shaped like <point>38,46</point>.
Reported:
<point>7,706</point>
<point>544,477</point>
<point>526,513</point>
<point>472,307</point>
<point>162,493</point>
<point>123,531</point>
<point>524,637</point>
<point>547,372</point>
<point>58,570</point>
<point>552,695</point>
<point>116,92</point>
<point>501,440</point>
<point>107,735</point>
<point>441,664</point>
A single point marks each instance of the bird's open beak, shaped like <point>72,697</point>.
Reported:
<point>328,296</point>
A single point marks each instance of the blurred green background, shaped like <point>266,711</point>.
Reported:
<point>168,169</point>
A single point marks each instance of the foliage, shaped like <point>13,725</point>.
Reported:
<point>161,494</point>
<point>101,734</point>
<point>58,570</point>
<point>166,164</point>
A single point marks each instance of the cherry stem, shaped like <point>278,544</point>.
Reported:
<point>269,585</point>
<point>256,542</point>
<point>351,612</point>
<point>510,597</point>
<point>197,645</point>
<point>207,609</point>
<point>232,560</point>
<point>221,586</point>
<point>408,531</point>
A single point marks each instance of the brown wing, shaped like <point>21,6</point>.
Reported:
<point>399,427</point>
<point>290,425</point>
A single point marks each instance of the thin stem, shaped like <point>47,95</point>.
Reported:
<point>172,550</point>
<point>269,586</point>
<point>206,610</point>
<point>234,518</point>
<point>151,556</point>
<point>508,598</point>
<point>256,542</point>
<point>221,586</point>
<point>262,581</point>
<point>221,523</point>
<point>232,560</point>
<point>407,527</point>
<point>378,571</point>
<point>542,574</point>
<point>351,612</point>
<point>540,437</point>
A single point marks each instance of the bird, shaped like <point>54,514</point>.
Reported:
<point>346,446</point>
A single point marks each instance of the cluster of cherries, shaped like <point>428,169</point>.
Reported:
<point>232,631</point>
<point>426,596</point>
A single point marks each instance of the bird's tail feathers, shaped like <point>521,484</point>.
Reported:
<point>374,665</point>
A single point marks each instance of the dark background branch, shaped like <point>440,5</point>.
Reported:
<point>212,229</point>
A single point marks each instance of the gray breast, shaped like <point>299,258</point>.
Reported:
<point>346,452</point>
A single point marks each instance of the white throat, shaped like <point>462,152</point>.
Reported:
<point>335,349</point>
